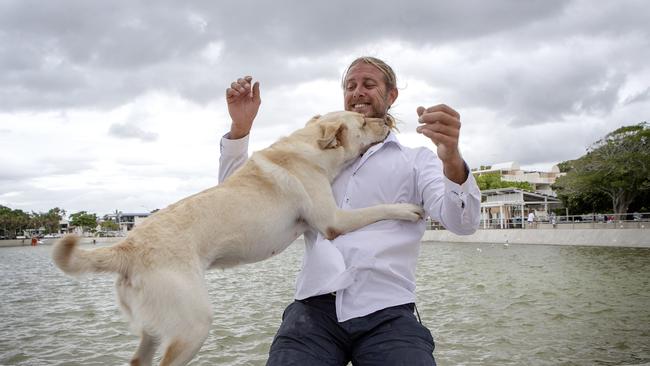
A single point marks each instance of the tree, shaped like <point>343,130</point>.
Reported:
<point>48,221</point>
<point>13,222</point>
<point>580,202</point>
<point>564,166</point>
<point>37,221</point>
<point>53,219</point>
<point>108,225</point>
<point>616,166</point>
<point>494,181</point>
<point>88,222</point>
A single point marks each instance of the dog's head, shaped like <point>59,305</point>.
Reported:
<point>349,131</point>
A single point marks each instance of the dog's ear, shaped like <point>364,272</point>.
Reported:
<point>312,120</point>
<point>332,133</point>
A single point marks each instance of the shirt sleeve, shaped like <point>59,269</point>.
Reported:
<point>456,206</point>
<point>234,154</point>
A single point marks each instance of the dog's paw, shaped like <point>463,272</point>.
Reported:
<point>408,211</point>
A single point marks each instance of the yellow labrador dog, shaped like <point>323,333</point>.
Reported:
<point>257,212</point>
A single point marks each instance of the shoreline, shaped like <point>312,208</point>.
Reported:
<point>631,238</point>
<point>8,243</point>
<point>628,238</point>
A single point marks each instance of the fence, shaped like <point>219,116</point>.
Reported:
<point>589,221</point>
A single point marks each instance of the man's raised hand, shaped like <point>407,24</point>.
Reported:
<point>243,103</point>
<point>441,124</point>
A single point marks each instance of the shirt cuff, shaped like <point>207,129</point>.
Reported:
<point>462,191</point>
<point>234,147</point>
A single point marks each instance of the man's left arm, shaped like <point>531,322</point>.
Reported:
<point>457,206</point>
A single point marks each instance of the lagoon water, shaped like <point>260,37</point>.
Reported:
<point>485,305</point>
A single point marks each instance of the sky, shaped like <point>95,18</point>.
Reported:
<point>120,105</point>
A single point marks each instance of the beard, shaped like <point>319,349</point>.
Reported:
<point>371,109</point>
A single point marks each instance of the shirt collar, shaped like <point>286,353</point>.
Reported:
<point>392,139</point>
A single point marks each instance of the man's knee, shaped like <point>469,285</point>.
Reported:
<point>305,337</point>
<point>295,357</point>
<point>401,341</point>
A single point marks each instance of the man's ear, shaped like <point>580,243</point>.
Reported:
<point>331,135</point>
<point>392,96</point>
<point>312,120</point>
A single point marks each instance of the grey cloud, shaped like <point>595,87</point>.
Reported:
<point>536,144</point>
<point>602,98</point>
<point>538,85</point>
<point>30,198</point>
<point>20,171</point>
<point>128,130</point>
<point>585,18</point>
<point>102,199</point>
<point>67,54</point>
<point>638,97</point>
<point>314,27</point>
<point>551,98</point>
<point>76,53</point>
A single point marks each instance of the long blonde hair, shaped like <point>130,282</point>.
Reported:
<point>389,78</point>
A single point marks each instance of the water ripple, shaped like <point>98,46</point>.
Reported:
<point>515,305</point>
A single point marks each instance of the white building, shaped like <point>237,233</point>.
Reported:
<point>511,172</point>
<point>509,207</point>
<point>64,226</point>
<point>127,221</point>
<point>506,208</point>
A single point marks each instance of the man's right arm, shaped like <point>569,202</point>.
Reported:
<point>234,154</point>
<point>243,104</point>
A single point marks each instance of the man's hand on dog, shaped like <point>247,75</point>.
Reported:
<point>243,103</point>
<point>441,124</point>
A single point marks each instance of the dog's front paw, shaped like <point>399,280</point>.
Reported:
<point>408,211</point>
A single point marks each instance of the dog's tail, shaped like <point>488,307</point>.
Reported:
<point>74,261</point>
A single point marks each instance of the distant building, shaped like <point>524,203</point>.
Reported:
<point>511,172</point>
<point>508,207</point>
<point>64,226</point>
<point>127,221</point>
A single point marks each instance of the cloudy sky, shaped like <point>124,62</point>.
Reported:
<point>119,105</point>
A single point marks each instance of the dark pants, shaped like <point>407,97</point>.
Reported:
<point>311,336</point>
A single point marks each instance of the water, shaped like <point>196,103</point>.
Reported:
<point>485,305</point>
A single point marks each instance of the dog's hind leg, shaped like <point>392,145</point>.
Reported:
<point>126,295</point>
<point>144,354</point>
<point>186,319</point>
<point>181,348</point>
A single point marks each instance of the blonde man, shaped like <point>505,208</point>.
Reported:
<point>355,295</point>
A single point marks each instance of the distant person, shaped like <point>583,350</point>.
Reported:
<point>355,295</point>
<point>531,220</point>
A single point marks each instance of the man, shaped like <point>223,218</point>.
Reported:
<point>355,295</point>
<point>531,220</point>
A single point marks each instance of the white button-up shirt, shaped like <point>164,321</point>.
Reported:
<point>373,267</point>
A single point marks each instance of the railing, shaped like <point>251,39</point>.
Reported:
<point>589,221</point>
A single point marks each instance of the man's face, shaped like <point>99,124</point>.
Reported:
<point>365,91</point>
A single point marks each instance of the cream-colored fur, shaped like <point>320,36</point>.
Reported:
<point>256,213</point>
